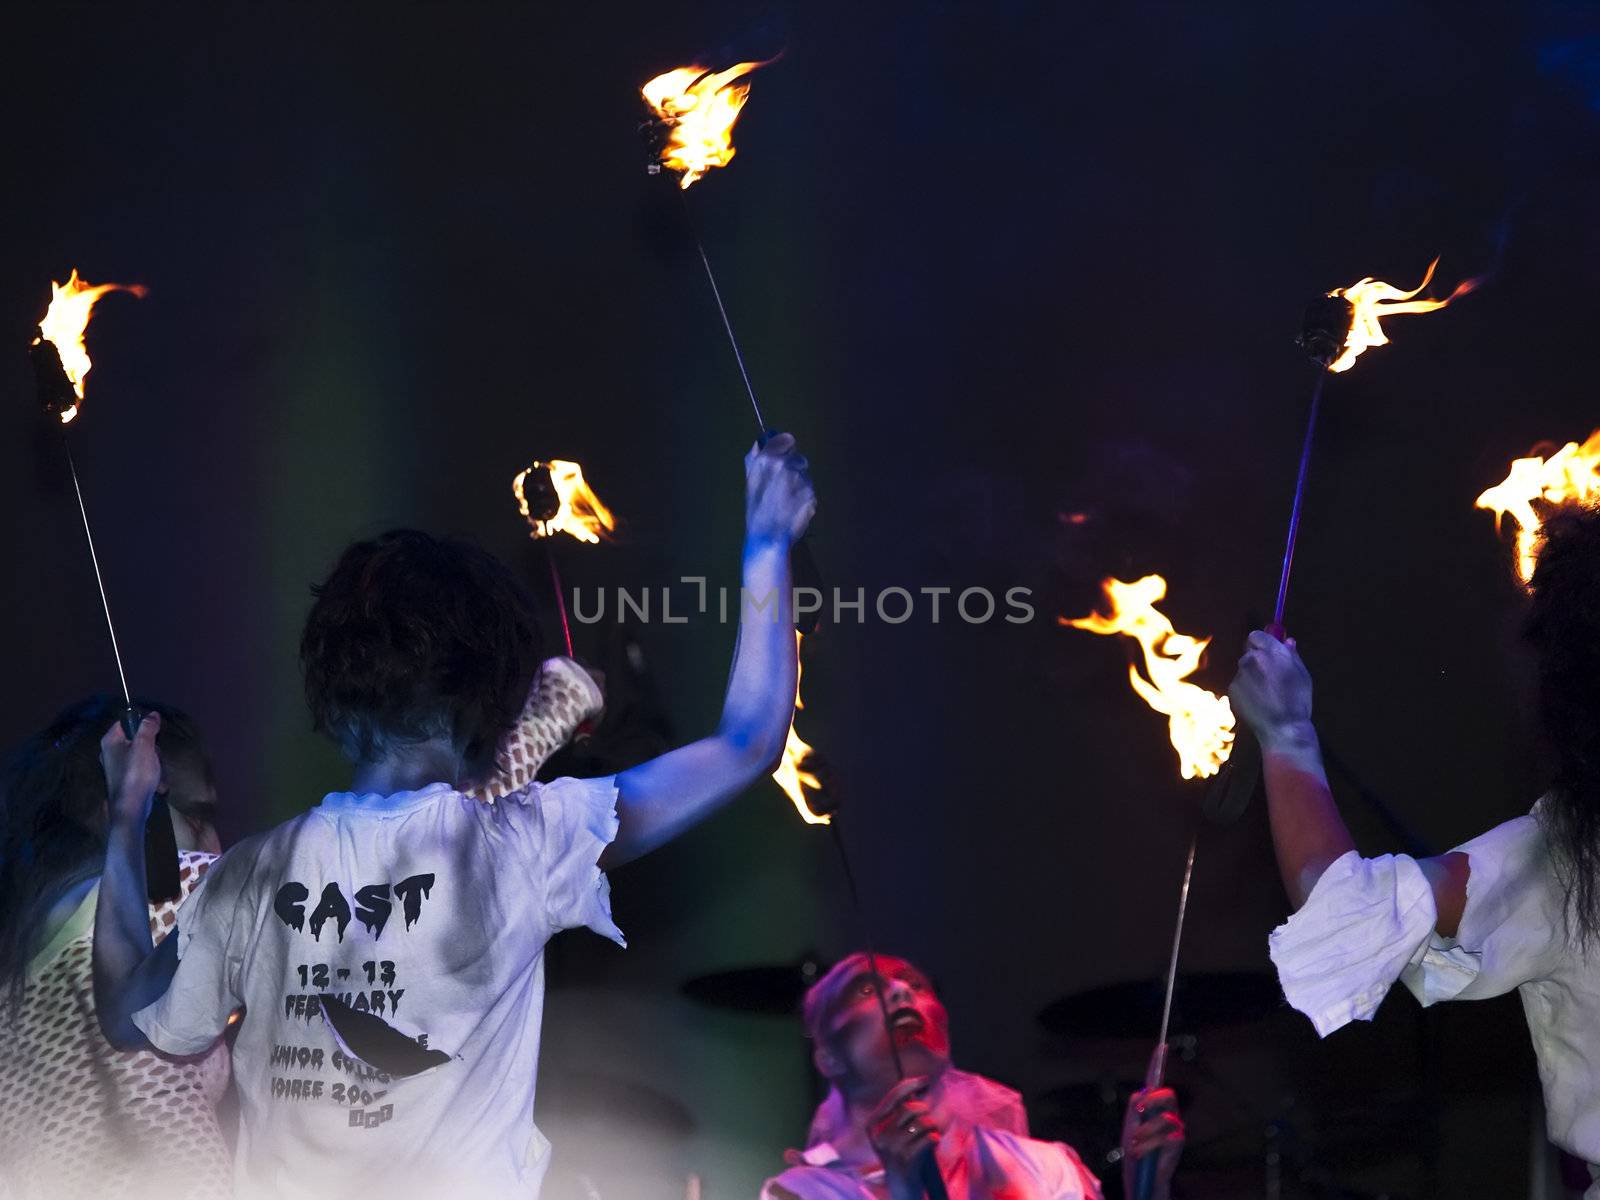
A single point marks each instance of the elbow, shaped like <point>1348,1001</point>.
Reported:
<point>753,753</point>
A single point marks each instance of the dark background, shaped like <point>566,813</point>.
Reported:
<point>994,264</point>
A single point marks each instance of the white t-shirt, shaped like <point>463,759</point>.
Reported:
<point>1370,921</point>
<point>428,910</point>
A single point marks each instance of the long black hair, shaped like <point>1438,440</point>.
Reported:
<point>1563,628</point>
<point>53,817</point>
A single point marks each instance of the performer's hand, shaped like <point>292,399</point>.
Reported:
<point>779,501</point>
<point>1152,1126</point>
<point>901,1128</point>
<point>1272,691</point>
<point>133,769</point>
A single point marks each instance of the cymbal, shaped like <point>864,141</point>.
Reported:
<point>770,989</point>
<point>1200,1000</point>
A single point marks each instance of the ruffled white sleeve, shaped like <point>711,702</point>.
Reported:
<point>1370,921</point>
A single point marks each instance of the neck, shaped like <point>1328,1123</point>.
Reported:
<point>407,768</point>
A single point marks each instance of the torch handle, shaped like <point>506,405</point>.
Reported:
<point>162,876</point>
<point>1144,1176</point>
<point>932,1182</point>
<point>1144,1171</point>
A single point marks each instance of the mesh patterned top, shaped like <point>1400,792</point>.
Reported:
<point>79,1118</point>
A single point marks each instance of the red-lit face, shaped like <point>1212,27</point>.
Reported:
<point>853,1043</point>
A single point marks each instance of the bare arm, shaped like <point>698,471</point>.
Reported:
<point>659,799</point>
<point>130,972</point>
<point>1272,694</point>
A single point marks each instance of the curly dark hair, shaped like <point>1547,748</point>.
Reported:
<point>1563,627</point>
<point>413,637</point>
<point>53,818</point>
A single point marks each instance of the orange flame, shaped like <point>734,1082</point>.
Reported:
<point>71,304</point>
<point>580,514</point>
<point>1373,300</point>
<point>1571,473</point>
<point>1199,723</point>
<point>791,774</point>
<point>699,107</point>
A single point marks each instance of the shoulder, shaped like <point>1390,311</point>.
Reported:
<point>246,864</point>
<point>563,810</point>
<point>1512,859</point>
<point>1520,836</point>
<point>564,791</point>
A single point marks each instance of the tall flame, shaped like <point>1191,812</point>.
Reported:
<point>1199,723</point>
<point>71,304</point>
<point>1373,300</point>
<point>699,107</point>
<point>1571,473</point>
<point>791,774</point>
<point>579,511</point>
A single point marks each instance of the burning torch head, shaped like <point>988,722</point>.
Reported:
<point>71,305</point>
<point>537,492</point>
<point>1326,328</point>
<point>56,394</point>
<point>693,110</point>
<point>554,498</point>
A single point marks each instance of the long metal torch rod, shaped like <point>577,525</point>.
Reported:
<point>1172,962</point>
<point>1299,503</point>
<point>932,1182</point>
<point>160,844</point>
<point>94,558</point>
<point>1144,1179</point>
<point>727,325</point>
<point>561,596</point>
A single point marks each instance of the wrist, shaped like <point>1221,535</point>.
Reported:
<point>774,541</point>
<point>129,812</point>
<point>1288,736</point>
<point>1293,743</point>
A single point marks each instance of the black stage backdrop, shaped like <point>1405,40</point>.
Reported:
<point>1022,277</point>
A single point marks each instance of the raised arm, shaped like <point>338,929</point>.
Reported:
<point>130,972</point>
<point>1272,695</point>
<point>659,799</point>
<point>562,698</point>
